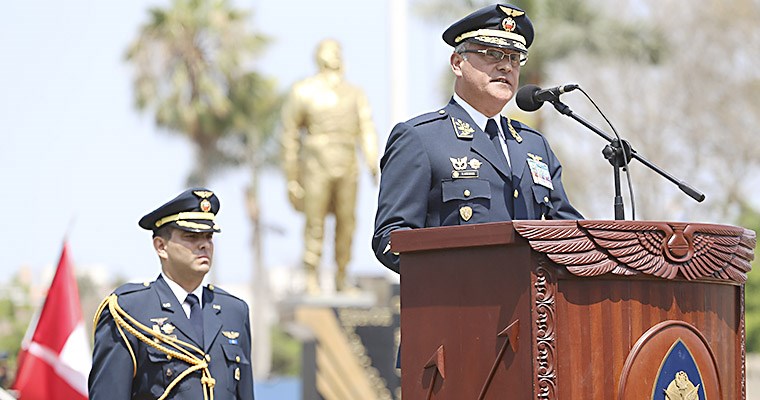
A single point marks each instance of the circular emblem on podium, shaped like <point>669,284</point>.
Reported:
<point>672,360</point>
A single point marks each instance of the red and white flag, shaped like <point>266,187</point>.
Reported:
<point>55,357</point>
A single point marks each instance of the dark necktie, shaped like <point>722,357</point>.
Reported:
<point>196,316</point>
<point>493,132</point>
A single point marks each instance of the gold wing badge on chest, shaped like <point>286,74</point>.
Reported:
<point>231,336</point>
<point>460,165</point>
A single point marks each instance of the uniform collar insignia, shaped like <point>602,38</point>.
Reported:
<point>166,305</point>
<point>513,132</point>
<point>231,334</point>
<point>462,129</point>
<point>216,307</point>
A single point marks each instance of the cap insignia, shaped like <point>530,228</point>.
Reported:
<point>204,194</point>
<point>511,11</point>
<point>205,205</point>
<point>508,24</point>
<point>462,129</point>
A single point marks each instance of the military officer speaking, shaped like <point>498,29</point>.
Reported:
<point>466,163</point>
<point>173,338</point>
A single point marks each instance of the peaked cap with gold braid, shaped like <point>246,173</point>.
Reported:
<point>498,25</point>
<point>193,210</point>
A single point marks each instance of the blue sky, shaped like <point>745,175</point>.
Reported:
<point>77,156</point>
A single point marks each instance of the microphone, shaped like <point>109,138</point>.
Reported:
<point>531,97</point>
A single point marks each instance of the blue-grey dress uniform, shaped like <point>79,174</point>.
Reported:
<point>226,347</point>
<point>441,169</point>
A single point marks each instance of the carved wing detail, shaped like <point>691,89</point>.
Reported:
<point>666,250</point>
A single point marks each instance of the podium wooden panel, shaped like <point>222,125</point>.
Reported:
<point>572,309</point>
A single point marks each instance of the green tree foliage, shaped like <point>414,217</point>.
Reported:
<point>16,310</point>
<point>750,219</point>
<point>189,60</point>
<point>286,354</point>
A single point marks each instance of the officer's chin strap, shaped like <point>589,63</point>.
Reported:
<point>181,350</point>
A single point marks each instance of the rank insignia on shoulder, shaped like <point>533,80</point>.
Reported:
<point>462,129</point>
<point>231,334</point>
<point>168,328</point>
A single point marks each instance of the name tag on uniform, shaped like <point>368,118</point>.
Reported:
<point>540,173</point>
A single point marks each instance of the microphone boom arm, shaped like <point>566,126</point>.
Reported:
<point>685,187</point>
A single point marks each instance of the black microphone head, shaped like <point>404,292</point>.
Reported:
<point>525,98</point>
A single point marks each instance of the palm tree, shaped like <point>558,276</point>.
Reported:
<point>190,71</point>
<point>187,59</point>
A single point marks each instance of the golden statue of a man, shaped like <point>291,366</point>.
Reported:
<point>324,119</point>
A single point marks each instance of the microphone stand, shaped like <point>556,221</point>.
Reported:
<point>618,152</point>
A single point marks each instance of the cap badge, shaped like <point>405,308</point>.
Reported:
<point>462,129</point>
<point>466,213</point>
<point>204,194</point>
<point>205,205</point>
<point>508,24</point>
<point>511,11</point>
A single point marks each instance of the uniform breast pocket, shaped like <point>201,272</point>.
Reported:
<point>163,370</point>
<point>465,201</point>
<point>237,364</point>
<point>543,204</point>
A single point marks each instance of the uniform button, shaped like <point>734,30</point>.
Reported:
<point>169,372</point>
<point>441,112</point>
<point>546,199</point>
<point>237,358</point>
<point>208,358</point>
<point>466,193</point>
<point>516,193</point>
<point>146,284</point>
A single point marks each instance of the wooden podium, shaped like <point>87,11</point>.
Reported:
<point>573,310</point>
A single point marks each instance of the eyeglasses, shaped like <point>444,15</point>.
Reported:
<point>495,56</point>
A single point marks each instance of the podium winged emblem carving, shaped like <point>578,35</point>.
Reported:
<point>663,249</point>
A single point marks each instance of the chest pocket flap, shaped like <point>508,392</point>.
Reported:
<point>234,354</point>
<point>465,189</point>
